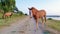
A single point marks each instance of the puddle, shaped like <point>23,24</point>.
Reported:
<point>17,31</point>
<point>47,32</point>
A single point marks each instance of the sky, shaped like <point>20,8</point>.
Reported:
<point>52,7</point>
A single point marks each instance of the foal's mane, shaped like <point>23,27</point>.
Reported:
<point>34,11</point>
<point>34,8</point>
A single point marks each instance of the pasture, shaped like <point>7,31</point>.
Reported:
<point>5,22</point>
<point>54,24</point>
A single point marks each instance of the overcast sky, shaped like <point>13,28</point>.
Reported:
<point>52,7</point>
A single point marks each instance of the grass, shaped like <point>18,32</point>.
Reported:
<point>8,21</point>
<point>55,24</point>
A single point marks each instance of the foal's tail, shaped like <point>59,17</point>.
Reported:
<point>45,18</point>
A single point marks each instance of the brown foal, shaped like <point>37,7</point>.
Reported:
<point>37,14</point>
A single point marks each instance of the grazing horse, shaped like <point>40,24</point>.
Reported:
<point>37,14</point>
<point>7,14</point>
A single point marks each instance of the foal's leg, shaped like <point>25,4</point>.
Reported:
<point>42,22</point>
<point>5,17</point>
<point>36,23</point>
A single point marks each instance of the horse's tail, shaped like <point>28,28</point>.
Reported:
<point>3,16</point>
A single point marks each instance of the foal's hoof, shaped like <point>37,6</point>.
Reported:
<point>37,29</point>
<point>30,17</point>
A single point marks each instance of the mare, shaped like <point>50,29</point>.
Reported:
<point>37,14</point>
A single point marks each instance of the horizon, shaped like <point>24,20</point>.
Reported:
<point>52,7</point>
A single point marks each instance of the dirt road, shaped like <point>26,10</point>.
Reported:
<point>26,26</point>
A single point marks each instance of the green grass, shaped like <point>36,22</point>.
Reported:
<point>8,21</point>
<point>55,24</point>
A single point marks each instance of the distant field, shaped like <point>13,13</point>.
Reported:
<point>14,18</point>
<point>55,24</point>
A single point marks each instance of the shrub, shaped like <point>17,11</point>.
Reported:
<point>25,14</point>
<point>49,18</point>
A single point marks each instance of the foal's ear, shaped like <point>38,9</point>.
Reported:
<point>28,8</point>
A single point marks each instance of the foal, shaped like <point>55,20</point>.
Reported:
<point>37,14</point>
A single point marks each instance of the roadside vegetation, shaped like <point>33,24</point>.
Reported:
<point>54,24</point>
<point>7,21</point>
<point>9,6</point>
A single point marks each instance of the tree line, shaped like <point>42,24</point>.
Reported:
<point>8,6</point>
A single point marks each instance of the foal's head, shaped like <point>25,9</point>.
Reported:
<point>31,8</point>
<point>30,11</point>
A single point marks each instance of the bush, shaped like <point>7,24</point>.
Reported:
<point>49,18</point>
<point>25,14</point>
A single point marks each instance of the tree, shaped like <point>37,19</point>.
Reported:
<point>16,9</point>
<point>26,14</point>
<point>20,12</point>
<point>7,5</point>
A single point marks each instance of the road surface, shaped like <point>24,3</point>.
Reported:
<point>26,26</point>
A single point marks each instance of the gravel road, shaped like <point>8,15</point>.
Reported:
<point>25,26</point>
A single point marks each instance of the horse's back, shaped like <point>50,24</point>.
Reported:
<point>39,14</point>
<point>42,12</point>
<point>8,13</point>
